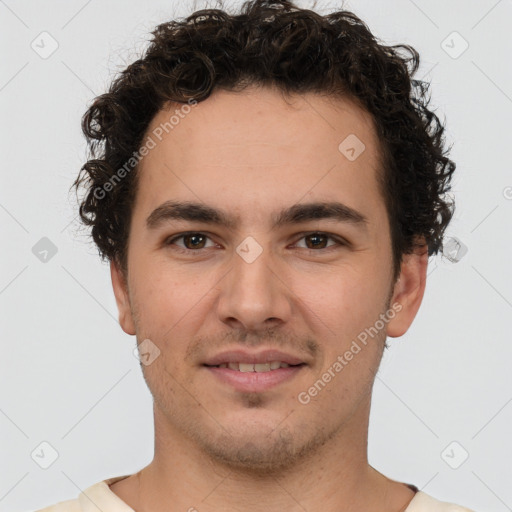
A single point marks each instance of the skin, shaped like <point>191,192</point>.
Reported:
<point>252,154</point>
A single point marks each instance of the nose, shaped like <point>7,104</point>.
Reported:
<point>253,296</point>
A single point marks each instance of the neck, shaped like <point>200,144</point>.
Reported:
<point>336,476</point>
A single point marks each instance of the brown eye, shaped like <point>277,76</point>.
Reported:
<point>319,241</point>
<point>191,241</point>
<point>194,241</point>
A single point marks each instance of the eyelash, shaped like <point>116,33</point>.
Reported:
<point>339,242</point>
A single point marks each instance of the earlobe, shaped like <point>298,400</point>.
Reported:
<point>120,288</point>
<point>409,290</point>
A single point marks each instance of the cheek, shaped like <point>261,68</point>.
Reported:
<point>344,300</point>
<point>162,302</point>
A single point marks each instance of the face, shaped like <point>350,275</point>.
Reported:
<point>252,291</point>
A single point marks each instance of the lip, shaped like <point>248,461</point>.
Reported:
<point>254,382</point>
<point>243,356</point>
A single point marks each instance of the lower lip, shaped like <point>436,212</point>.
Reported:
<point>254,382</point>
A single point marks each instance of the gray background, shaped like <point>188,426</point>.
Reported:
<point>69,377</point>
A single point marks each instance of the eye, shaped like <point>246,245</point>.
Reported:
<point>191,241</point>
<point>195,241</point>
<point>318,240</point>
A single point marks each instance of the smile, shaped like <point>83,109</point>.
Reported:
<point>257,367</point>
<point>254,378</point>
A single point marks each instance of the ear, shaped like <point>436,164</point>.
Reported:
<point>408,291</point>
<point>122,298</point>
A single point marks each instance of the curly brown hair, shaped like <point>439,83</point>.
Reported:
<point>272,43</point>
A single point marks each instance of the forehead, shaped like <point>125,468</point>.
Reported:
<point>259,147</point>
<point>259,116</point>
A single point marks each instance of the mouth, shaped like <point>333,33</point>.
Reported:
<point>256,367</point>
<point>256,372</point>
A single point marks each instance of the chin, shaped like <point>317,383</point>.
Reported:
<point>262,450</point>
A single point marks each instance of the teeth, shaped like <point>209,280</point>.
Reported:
<point>257,367</point>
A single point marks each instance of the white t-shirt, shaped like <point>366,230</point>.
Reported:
<point>100,497</point>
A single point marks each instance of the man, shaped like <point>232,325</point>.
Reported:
<point>267,187</point>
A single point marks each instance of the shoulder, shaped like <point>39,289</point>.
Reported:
<point>97,497</point>
<point>63,506</point>
<point>423,502</point>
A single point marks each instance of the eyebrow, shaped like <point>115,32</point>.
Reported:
<point>295,214</point>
